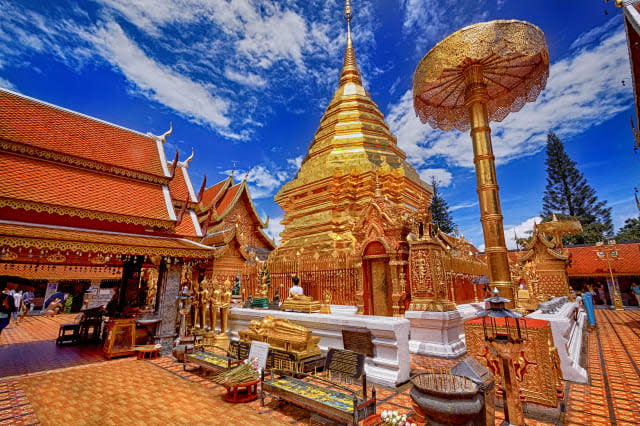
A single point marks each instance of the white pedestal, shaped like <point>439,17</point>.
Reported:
<point>436,333</point>
<point>567,325</point>
<point>390,336</point>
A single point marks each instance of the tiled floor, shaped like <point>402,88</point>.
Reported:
<point>68,391</point>
<point>30,347</point>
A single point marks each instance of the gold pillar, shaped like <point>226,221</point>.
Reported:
<point>476,98</point>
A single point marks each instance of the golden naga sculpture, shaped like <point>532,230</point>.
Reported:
<point>282,334</point>
<point>326,302</point>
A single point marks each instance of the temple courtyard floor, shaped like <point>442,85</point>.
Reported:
<point>43,383</point>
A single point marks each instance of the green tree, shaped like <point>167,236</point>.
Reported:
<point>440,211</point>
<point>630,231</point>
<point>570,196</point>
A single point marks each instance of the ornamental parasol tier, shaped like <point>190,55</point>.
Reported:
<point>515,65</point>
<point>477,74</point>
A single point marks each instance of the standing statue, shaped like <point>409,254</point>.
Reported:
<point>195,306</point>
<point>215,302</point>
<point>204,303</point>
<point>224,306</point>
<point>262,297</point>
<point>236,286</point>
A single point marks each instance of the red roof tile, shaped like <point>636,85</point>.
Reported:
<point>186,227</point>
<point>212,192</point>
<point>29,122</point>
<point>178,186</point>
<point>30,179</point>
<point>227,199</point>
<point>585,261</point>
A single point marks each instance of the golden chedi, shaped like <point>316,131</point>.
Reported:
<point>282,334</point>
<point>337,178</point>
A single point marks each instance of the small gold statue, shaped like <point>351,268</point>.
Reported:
<point>326,299</point>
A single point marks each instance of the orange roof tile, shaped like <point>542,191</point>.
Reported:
<point>178,186</point>
<point>227,199</point>
<point>186,228</point>
<point>20,234</point>
<point>30,122</point>
<point>32,180</point>
<point>585,261</point>
<point>210,193</point>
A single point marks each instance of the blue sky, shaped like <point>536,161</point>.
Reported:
<point>247,81</point>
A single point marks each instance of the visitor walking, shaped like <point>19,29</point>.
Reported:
<point>17,303</point>
<point>635,288</point>
<point>6,308</point>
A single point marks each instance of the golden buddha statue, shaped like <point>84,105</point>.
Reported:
<point>214,303</point>
<point>282,334</point>
<point>297,301</point>
<point>224,306</point>
<point>204,303</point>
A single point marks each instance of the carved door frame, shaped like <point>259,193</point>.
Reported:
<point>380,253</point>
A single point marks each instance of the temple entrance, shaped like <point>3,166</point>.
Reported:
<point>377,281</point>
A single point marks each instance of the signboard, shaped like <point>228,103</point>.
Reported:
<point>345,363</point>
<point>358,341</point>
<point>51,289</point>
<point>259,351</point>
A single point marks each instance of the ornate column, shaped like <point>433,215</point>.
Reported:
<point>169,275</point>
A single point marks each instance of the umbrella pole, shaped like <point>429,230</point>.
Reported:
<point>476,98</point>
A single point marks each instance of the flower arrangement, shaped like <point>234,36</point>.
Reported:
<point>392,418</point>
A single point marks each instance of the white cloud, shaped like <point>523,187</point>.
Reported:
<point>6,84</point>
<point>463,206</point>
<point>159,82</point>
<point>583,90</point>
<point>275,228</point>
<point>296,162</point>
<point>443,176</point>
<point>245,78</point>
<point>522,231</point>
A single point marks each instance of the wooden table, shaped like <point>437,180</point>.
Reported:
<point>147,352</point>
<point>242,392</point>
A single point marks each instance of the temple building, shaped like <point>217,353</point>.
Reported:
<point>352,149</point>
<point>79,193</point>
<point>230,223</point>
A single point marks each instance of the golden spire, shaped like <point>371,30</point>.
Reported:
<point>350,72</point>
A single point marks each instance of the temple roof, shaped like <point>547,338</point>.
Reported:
<point>189,225</point>
<point>214,192</point>
<point>181,187</point>
<point>41,129</point>
<point>585,261</point>
<point>33,184</point>
<point>21,234</point>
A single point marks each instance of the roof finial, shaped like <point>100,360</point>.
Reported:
<point>553,217</point>
<point>637,202</point>
<point>350,72</point>
<point>167,133</point>
<point>246,175</point>
<point>233,169</point>
<point>186,162</point>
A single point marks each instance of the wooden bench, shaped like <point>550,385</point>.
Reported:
<point>204,358</point>
<point>321,394</point>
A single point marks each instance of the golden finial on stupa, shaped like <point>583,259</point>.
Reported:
<point>350,72</point>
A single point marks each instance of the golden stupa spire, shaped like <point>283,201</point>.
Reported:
<point>350,72</point>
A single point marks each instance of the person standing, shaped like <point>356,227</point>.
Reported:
<point>17,299</point>
<point>635,288</point>
<point>6,308</point>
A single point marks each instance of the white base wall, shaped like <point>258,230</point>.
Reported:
<point>436,333</point>
<point>567,325</point>
<point>390,336</point>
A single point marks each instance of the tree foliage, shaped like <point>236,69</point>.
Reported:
<point>570,196</point>
<point>440,211</point>
<point>630,231</point>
